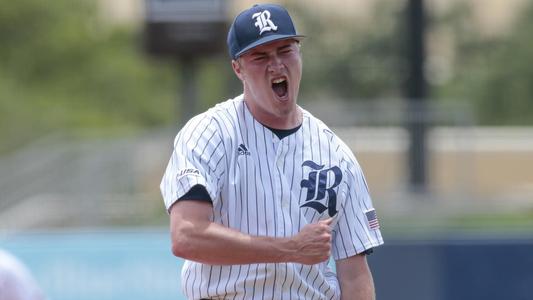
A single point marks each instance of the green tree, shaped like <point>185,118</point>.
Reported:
<point>347,61</point>
<point>492,72</point>
<point>62,68</point>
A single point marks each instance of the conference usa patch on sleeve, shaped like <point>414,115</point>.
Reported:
<point>189,171</point>
<point>372,219</point>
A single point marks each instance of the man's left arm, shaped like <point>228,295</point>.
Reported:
<point>355,278</point>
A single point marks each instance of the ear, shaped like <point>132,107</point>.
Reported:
<point>237,69</point>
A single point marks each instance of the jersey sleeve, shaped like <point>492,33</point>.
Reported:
<point>357,228</point>
<point>197,159</point>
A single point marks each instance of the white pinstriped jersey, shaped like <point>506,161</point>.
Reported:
<point>265,186</point>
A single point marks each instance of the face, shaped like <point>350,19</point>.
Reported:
<point>271,75</point>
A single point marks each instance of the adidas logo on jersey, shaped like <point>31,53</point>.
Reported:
<point>243,150</point>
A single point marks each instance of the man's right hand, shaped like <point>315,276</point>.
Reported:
<point>313,243</point>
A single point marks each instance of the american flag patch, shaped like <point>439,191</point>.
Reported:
<point>372,219</point>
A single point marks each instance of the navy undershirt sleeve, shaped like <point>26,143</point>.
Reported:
<point>197,192</point>
<point>369,251</point>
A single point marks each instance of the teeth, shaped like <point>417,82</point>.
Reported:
<point>279,80</point>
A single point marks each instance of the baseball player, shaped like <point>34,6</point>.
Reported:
<point>16,281</point>
<point>260,192</point>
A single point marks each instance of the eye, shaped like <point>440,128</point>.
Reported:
<point>259,58</point>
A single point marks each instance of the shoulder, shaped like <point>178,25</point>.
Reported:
<point>227,109</point>
<point>344,151</point>
<point>310,120</point>
<point>218,117</point>
<point>314,124</point>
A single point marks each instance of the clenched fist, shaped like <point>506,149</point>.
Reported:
<point>313,243</point>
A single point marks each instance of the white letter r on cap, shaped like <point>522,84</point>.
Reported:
<point>263,22</point>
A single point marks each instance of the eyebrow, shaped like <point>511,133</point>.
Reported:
<point>257,53</point>
<point>284,47</point>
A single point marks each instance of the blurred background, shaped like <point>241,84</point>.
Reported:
<point>435,98</point>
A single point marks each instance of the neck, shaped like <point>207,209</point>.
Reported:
<point>288,122</point>
<point>287,119</point>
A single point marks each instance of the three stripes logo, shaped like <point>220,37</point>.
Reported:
<point>242,150</point>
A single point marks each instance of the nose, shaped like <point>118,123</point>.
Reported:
<point>276,64</point>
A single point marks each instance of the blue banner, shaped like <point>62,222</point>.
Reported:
<point>104,265</point>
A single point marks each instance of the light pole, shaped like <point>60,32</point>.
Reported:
<point>416,94</point>
<point>185,31</point>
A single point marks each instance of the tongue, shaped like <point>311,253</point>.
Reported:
<point>280,88</point>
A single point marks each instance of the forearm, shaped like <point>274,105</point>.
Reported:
<point>358,289</point>
<point>355,279</point>
<point>211,243</point>
<point>195,237</point>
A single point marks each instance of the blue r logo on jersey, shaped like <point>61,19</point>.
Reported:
<point>317,187</point>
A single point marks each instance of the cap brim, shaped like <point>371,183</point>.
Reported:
<point>268,39</point>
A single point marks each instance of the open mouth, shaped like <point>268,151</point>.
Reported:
<point>280,87</point>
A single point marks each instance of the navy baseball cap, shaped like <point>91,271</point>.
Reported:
<point>258,25</point>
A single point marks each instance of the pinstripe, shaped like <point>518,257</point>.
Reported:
<point>283,199</point>
<point>227,281</point>
<point>219,129</point>
<point>209,279</point>
<point>186,283</point>
<point>264,199</point>
<point>314,270</point>
<point>320,287</point>
<point>273,193</point>
<point>358,215</point>
<point>201,279</point>
<point>255,177</point>
<point>247,196</point>
<point>269,175</point>
<point>290,208</point>
<point>258,191</point>
<point>246,280</point>
<point>193,282</point>
<point>230,133</point>
<point>310,218</point>
<point>239,187</point>
<point>242,197</point>
<point>340,234</point>
<point>222,128</point>
<point>282,196</point>
<point>235,281</point>
<point>265,130</point>
<point>365,200</point>
<point>314,292</point>
<point>219,277</point>
<point>350,233</point>
<point>221,157</point>
<point>332,293</point>
<point>301,191</point>
<point>292,179</point>
<point>262,184</point>
<point>305,282</point>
